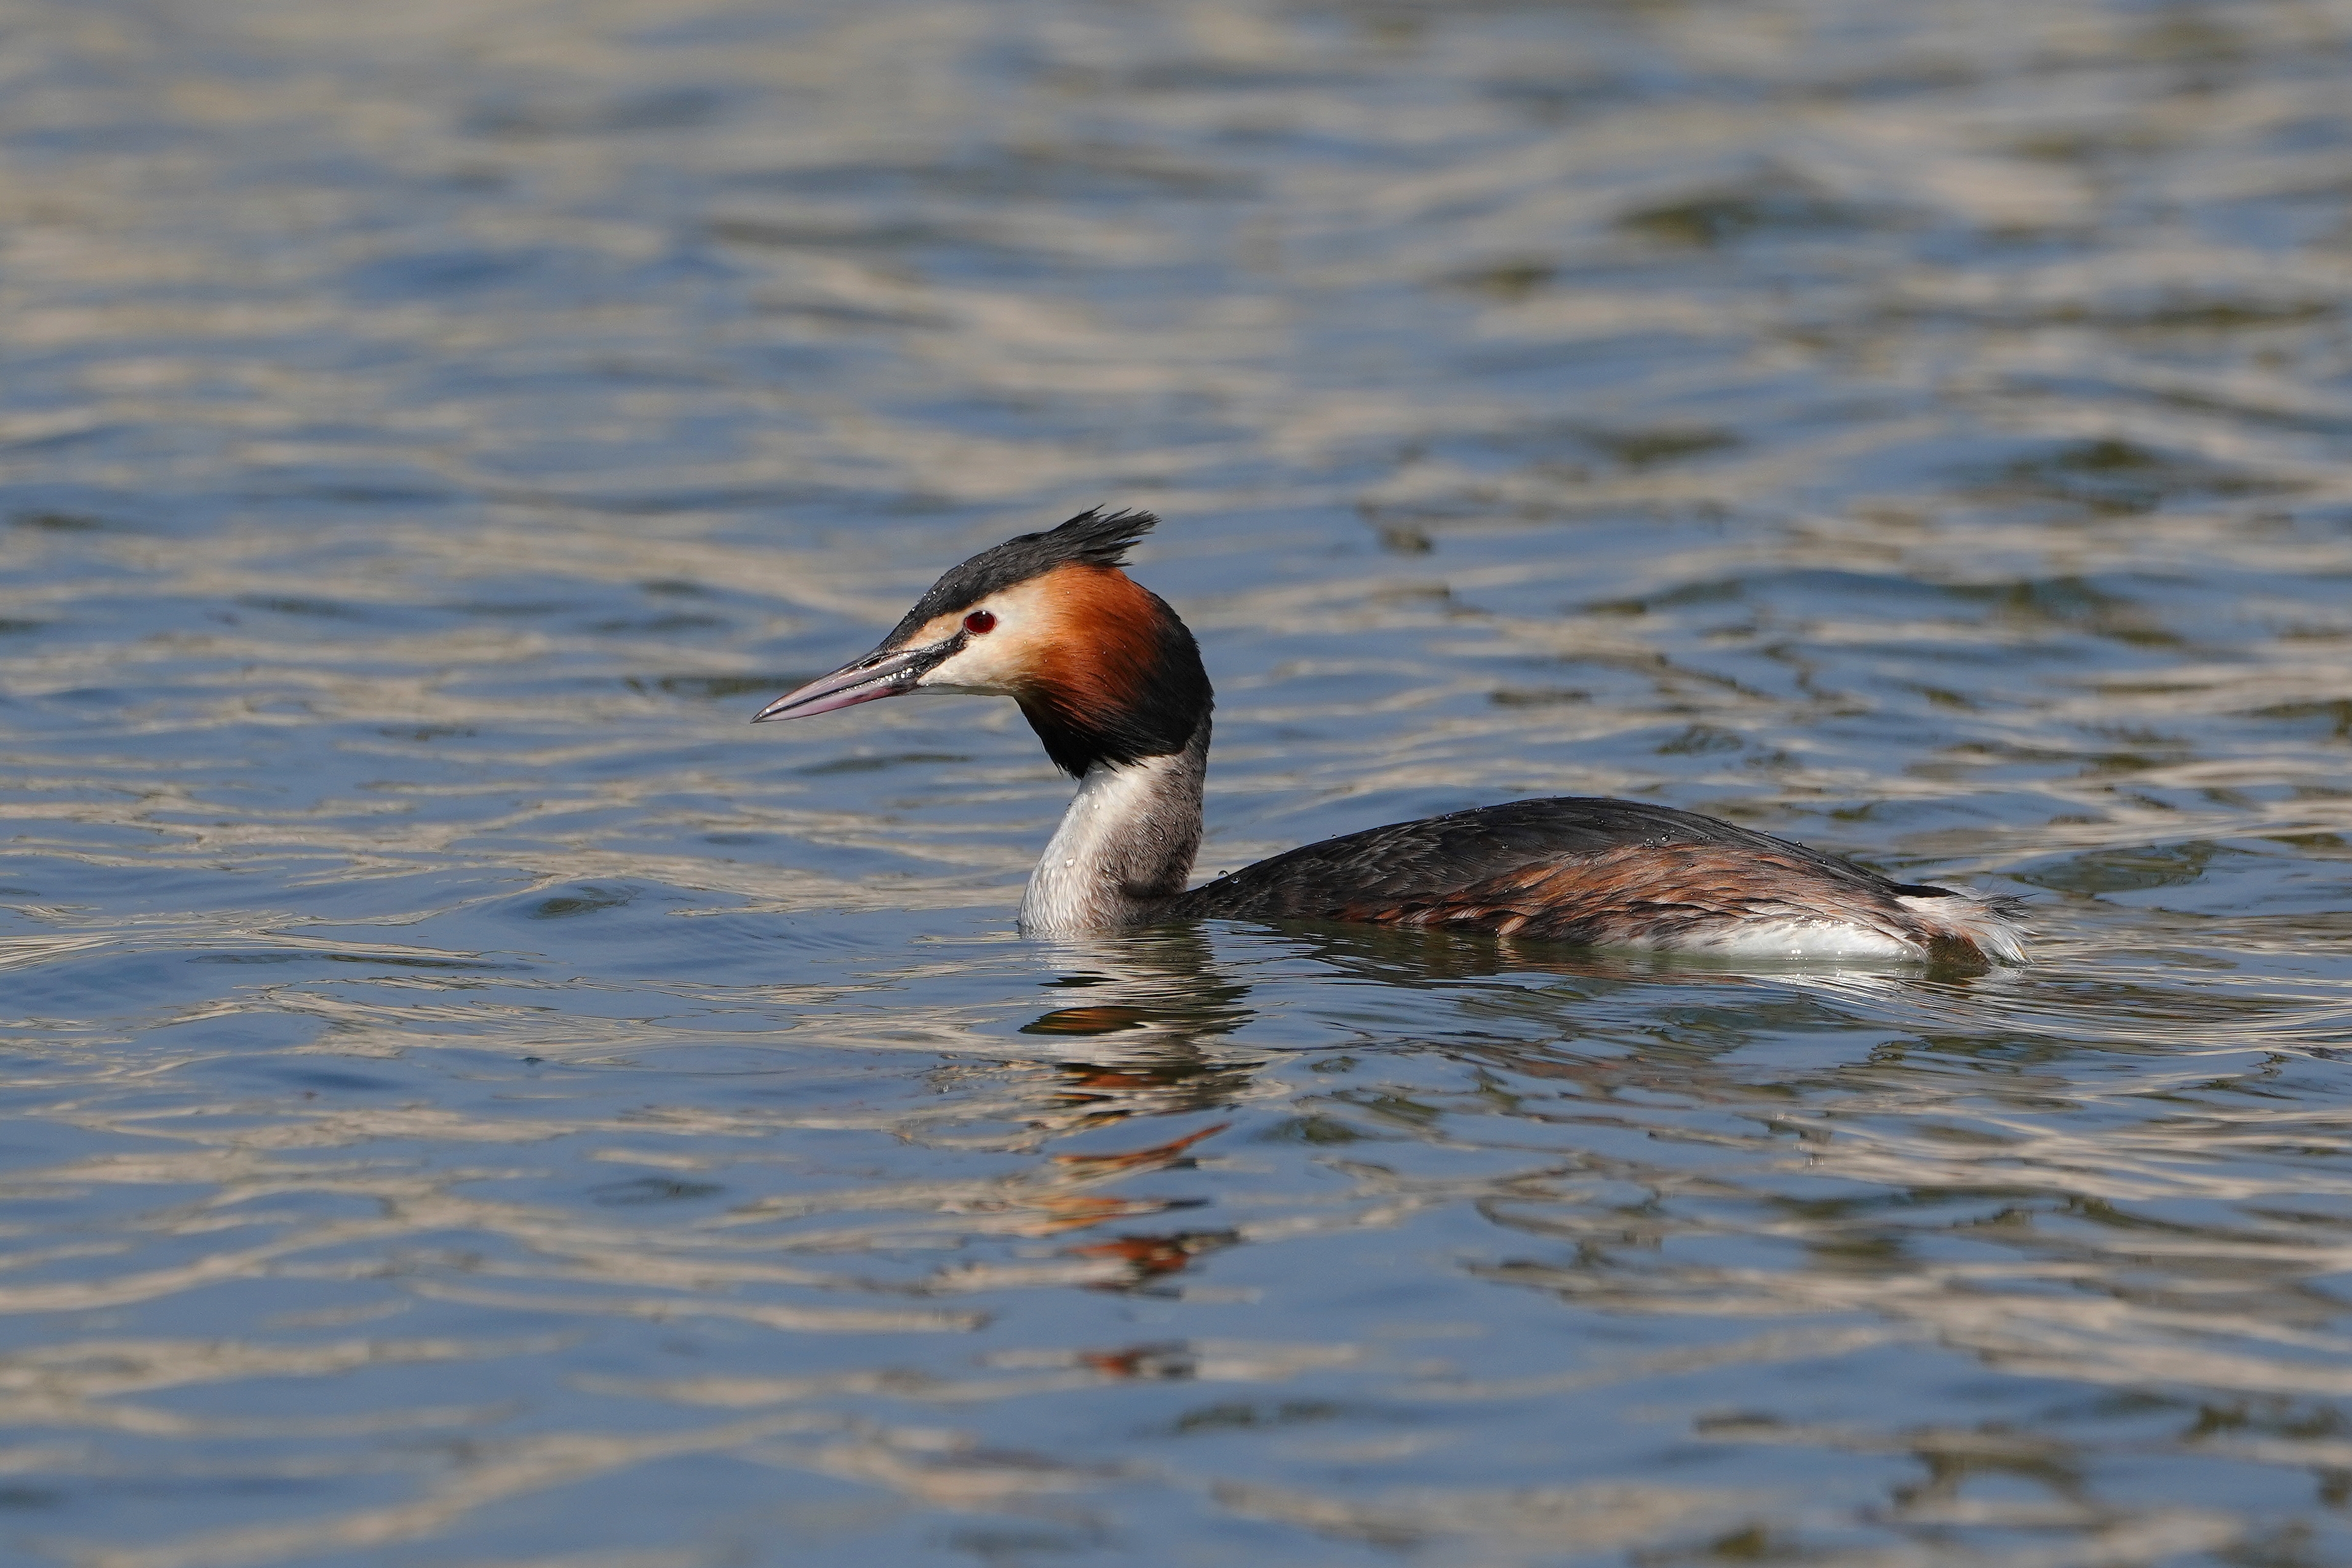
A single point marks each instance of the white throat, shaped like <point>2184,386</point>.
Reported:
<point>1124,847</point>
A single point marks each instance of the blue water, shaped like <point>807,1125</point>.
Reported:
<point>474,1101</point>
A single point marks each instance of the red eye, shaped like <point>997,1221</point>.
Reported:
<point>978,621</point>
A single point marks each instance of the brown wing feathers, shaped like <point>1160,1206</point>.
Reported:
<point>1572,869</point>
<point>1638,894</point>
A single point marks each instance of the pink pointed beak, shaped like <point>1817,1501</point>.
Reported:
<point>885,673</point>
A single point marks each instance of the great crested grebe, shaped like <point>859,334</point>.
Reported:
<point>1112,683</point>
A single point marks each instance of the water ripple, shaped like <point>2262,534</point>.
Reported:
<point>474,1101</point>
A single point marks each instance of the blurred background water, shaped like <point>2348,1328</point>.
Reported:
<point>473,1101</point>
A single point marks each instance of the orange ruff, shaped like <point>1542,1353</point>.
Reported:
<point>1095,655</point>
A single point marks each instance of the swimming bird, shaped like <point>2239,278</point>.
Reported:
<point>1112,683</point>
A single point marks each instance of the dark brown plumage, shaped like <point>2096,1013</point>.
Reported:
<point>1579,869</point>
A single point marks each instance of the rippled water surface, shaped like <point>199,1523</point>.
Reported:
<point>473,1101</point>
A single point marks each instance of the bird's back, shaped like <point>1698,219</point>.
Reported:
<point>1601,872</point>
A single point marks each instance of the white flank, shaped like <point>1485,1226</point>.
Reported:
<point>1795,939</point>
<point>1960,917</point>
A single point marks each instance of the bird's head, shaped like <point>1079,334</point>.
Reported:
<point>1102,668</point>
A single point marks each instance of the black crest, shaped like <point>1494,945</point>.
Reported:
<point>1091,538</point>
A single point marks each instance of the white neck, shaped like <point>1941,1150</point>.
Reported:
<point>1124,848</point>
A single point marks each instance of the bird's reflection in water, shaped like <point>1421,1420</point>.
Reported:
<point>1144,1031</point>
<point>1149,1025</point>
<point>1619,1026</point>
<point>1150,1029</point>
